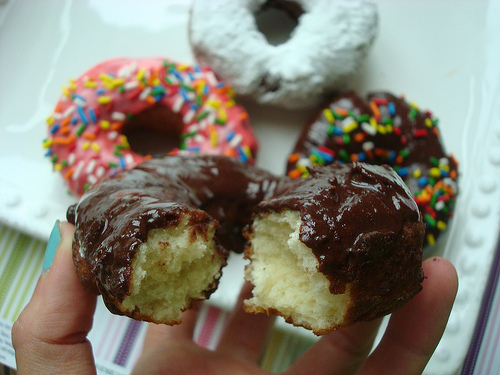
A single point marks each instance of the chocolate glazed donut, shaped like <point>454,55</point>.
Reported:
<point>210,198</point>
<point>153,239</point>
<point>385,129</point>
<point>340,246</point>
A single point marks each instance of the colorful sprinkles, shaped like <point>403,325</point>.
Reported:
<point>392,131</point>
<point>84,132</point>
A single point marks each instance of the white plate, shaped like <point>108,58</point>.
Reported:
<point>441,54</point>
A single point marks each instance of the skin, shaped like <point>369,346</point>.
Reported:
<point>50,336</point>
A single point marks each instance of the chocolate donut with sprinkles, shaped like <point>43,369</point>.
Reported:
<point>92,127</point>
<point>384,129</point>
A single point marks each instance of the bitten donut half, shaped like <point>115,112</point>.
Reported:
<point>343,246</point>
<point>148,260</point>
<point>152,240</point>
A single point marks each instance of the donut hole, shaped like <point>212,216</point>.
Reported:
<point>286,279</point>
<point>277,20</point>
<point>155,131</point>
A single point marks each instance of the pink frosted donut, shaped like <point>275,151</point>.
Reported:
<point>88,130</point>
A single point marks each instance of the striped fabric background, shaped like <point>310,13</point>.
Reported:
<point>116,340</point>
<point>20,264</point>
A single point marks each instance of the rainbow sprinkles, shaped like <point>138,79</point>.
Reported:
<point>85,140</point>
<point>385,130</point>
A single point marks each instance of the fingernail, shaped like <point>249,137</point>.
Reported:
<point>50,251</point>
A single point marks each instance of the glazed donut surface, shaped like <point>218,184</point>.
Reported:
<point>87,132</point>
<point>324,51</point>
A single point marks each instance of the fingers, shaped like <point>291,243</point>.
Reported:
<point>340,352</point>
<point>246,334</point>
<point>164,343</point>
<point>415,330</point>
<point>49,336</point>
<point>409,341</point>
<point>157,333</point>
<point>243,338</point>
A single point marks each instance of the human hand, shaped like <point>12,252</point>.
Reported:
<point>50,335</point>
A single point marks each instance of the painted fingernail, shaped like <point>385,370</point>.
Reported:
<point>50,251</point>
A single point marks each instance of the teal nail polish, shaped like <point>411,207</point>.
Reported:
<point>50,251</point>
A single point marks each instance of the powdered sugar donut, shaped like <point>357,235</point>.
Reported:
<point>324,51</point>
<point>86,137</point>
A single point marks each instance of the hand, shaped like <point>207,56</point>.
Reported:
<point>50,336</point>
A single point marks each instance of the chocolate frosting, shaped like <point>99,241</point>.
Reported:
<point>352,215</point>
<point>421,149</point>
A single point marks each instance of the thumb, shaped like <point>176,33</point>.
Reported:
<point>50,335</point>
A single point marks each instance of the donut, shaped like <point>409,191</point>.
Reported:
<point>344,245</point>
<point>153,239</point>
<point>101,113</point>
<point>322,55</point>
<point>385,129</point>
